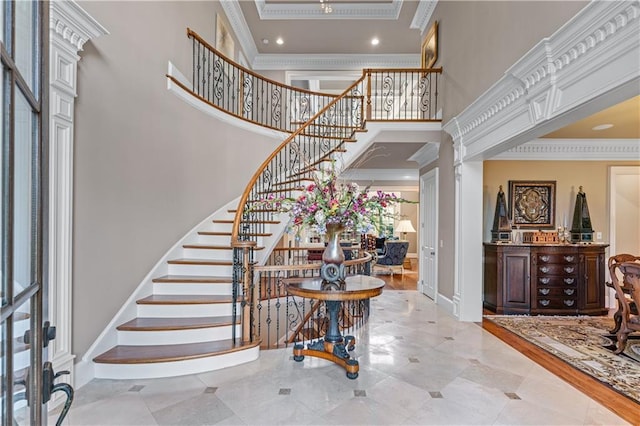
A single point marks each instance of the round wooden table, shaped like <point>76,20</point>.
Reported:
<point>334,347</point>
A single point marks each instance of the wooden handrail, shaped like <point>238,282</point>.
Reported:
<point>245,195</point>
<point>195,35</point>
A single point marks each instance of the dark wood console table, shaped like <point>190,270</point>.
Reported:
<point>334,347</point>
<point>545,279</point>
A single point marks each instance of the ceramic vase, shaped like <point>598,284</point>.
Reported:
<point>333,251</point>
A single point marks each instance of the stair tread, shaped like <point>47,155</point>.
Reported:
<point>213,247</point>
<point>185,323</point>
<point>207,246</point>
<point>213,262</point>
<point>125,354</point>
<point>192,279</point>
<point>185,299</point>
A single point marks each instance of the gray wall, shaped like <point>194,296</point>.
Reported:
<point>478,42</point>
<point>148,167</point>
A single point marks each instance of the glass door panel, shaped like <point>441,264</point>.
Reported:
<point>23,196</point>
<point>26,41</point>
<point>21,218</point>
<point>21,363</point>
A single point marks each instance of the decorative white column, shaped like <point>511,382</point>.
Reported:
<point>69,28</point>
<point>467,291</point>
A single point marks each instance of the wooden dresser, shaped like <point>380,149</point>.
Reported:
<point>544,279</point>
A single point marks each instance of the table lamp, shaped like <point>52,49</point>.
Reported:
<point>405,226</point>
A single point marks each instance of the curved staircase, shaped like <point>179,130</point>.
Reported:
<point>180,320</point>
<point>184,326</point>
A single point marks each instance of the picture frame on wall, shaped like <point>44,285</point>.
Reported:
<point>430,47</point>
<point>224,41</point>
<point>532,204</point>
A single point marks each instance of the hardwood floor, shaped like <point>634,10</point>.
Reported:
<point>398,281</point>
<point>616,402</point>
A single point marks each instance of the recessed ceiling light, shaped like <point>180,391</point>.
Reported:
<point>280,40</point>
<point>375,41</point>
<point>602,127</point>
<point>265,41</point>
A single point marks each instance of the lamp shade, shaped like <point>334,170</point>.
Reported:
<point>405,226</point>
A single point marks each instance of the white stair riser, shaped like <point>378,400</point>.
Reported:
<point>177,311</point>
<point>208,270</point>
<point>177,368</point>
<point>199,253</point>
<point>180,288</point>
<point>174,337</point>
<point>215,240</point>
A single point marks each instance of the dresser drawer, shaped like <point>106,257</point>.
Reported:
<point>557,281</point>
<point>556,269</point>
<point>554,292</point>
<point>556,303</point>
<point>559,258</point>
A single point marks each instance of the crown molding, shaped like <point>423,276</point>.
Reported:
<point>73,24</point>
<point>574,149</point>
<point>423,14</point>
<point>297,11</point>
<point>427,154</point>
<point>240,28</point>
<point>406,175</point>
<point>334,62</point>
<point>590,61</point>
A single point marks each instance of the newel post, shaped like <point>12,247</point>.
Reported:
<point>243,278</point>
<point>368,115</point>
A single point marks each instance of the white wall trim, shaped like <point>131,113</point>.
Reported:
<point>280,62</point>
<point>429,153</point>
<point>406,175</point>
<point>70,27</point>
<point>423,14</point>
<point>572,149</point>
<point>590,63</point>
<point>296,11</point>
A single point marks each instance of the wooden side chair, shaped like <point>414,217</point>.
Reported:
<point>628,294</point>
<point>626,288</point>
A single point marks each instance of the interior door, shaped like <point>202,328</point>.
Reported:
<point>429,233</point>
<point>24,87</point>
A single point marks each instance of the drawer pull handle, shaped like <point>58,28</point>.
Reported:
<point>569,258</point>
<point>569,281</point>
<point>545,258</point>
<point>545,302</point>
<point>545,280</point>
<point>569,291</point>
<point>569,269</point>
<point>545,269</point>
<point>544,291</point>
<point>568,302</point>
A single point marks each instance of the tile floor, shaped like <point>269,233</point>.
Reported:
<point>418,366</point>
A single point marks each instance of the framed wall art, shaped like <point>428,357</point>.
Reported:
<point>224,41</point>
<point>532,203</point>
<point>430,47</point>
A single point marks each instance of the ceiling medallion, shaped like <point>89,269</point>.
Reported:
<point>325,6</point>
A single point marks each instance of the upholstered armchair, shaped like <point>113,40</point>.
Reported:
<point>393,256</point>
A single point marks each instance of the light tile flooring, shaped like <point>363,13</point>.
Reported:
<point>418,366</point>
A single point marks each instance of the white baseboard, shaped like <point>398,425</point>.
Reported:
<point>446,304</point>
<point>84,373</point>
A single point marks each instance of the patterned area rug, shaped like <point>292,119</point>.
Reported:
<point>583,342</point>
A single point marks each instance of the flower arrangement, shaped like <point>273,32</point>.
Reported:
<point>328,201</point>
